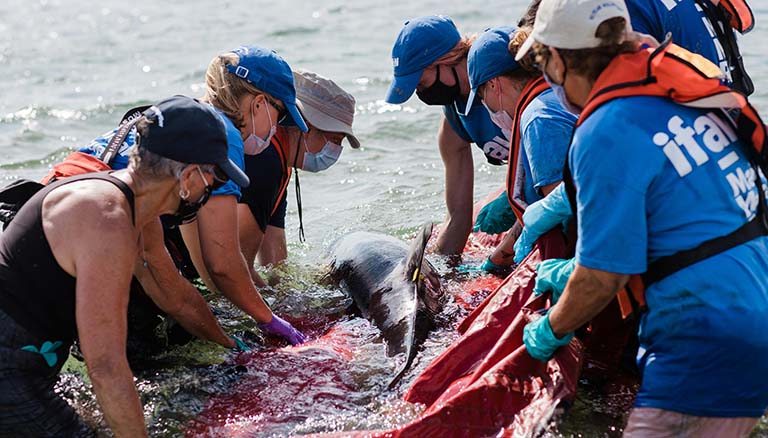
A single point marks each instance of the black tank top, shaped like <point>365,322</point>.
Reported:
<point>34,290</point>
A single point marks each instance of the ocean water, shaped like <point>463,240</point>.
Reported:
<point>70,68</point>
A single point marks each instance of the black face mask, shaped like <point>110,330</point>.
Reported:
<point>440,94</point>
<point>187,211</point>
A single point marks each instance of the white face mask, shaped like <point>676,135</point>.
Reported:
<point>322,160</point>
<point>254,145</point>
<point>500,118</point>
<point>559,90</point>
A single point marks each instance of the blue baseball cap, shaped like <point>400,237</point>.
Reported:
<point>489,57</point>
<point>268,72</point>
<point>420,43</point>
<point>189,131</point>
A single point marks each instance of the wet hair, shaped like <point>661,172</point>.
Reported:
<point>530,15</point>
<point>591,62</point>
<point>459,52</point>
<point>224,89</point>
<point>147,163</point>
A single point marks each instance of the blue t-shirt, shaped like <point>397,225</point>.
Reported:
<point>477,127</point>
<point>235,152</point>
<point>97,145</point>
<point>686,21</point>
<point>546,130</point>
<point>654,178</point>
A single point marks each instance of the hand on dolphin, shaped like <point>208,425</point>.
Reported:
<point>284,329</point>
<point>540,217</point>
<point>495,217</point>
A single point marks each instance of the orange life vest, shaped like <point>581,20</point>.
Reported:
<point>530,92</point>
<point>690,80</point>
<point>741,17</point>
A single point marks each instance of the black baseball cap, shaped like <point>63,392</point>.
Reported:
<point>189,131</point>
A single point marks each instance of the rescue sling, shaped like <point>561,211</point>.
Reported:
<point>690,80</point>
<point>515,174</point>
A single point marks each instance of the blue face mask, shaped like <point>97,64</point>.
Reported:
<point>559,91</point>
<point>322,160</point>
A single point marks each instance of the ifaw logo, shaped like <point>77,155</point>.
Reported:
<point>715,135</point>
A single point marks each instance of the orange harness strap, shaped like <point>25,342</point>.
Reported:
<point>530,92</point>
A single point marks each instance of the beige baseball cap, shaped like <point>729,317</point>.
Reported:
<point>571,24</point>
<point>325,105</point>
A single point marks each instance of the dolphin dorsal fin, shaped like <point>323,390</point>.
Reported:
<point>416,253</point>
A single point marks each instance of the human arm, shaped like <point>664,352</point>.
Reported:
<point>175,295</point>
<point>504,254</point>
<point>219,252</point>
<point>101,260</point>
<point>459,185</point>
<point>587,293</point>
<point>251,239</point>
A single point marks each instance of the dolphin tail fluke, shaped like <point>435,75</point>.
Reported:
<point>412,271</point>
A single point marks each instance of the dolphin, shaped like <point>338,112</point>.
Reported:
<point>392,285</point>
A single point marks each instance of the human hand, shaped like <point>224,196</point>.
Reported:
<point>540,217</point>
<point>239,344</point>
<point>552,276</point>
<point>540,340</point>
<point>280,327</point>
<point>495,217</point>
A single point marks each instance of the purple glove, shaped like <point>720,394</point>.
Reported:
<point>283,328</point>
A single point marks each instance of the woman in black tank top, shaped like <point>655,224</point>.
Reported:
<point>66,262</point>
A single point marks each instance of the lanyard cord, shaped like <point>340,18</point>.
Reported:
<point>302,239</point>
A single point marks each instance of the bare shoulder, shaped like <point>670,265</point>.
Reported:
<point>97,203</point>
<point>87,219</point>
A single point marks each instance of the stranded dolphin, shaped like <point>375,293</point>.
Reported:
<point>392,285</point>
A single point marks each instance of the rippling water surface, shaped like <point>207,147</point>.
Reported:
<point>71,68</point>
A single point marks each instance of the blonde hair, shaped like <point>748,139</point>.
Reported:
<point>224,89</point>
<point>528,68</point>
<point>459,52</point>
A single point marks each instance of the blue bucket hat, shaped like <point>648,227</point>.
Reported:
<point>189,131</point>
<point>488,58</point>
<point>421,42</point>
<point>268,72</point>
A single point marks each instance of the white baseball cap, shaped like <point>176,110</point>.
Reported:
<point>572,24</point>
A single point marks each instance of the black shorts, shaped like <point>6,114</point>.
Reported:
<point>278,217</point>
<point>29,406</point>
<point>265,171</point>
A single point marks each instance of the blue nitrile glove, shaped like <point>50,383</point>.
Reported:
<point>552,276</point>
<point>489,266</point>
<point>283,328</point>
<point>239,344</point>
<point>540,341</point>
<point>540,217</point>
<point>496,217</point>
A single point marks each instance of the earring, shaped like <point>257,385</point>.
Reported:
<point>183,193</point>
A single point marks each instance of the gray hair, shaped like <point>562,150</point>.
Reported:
<point>149,163</point>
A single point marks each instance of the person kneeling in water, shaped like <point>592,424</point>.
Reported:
<point>329,112</point>
<point>66,262</point>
